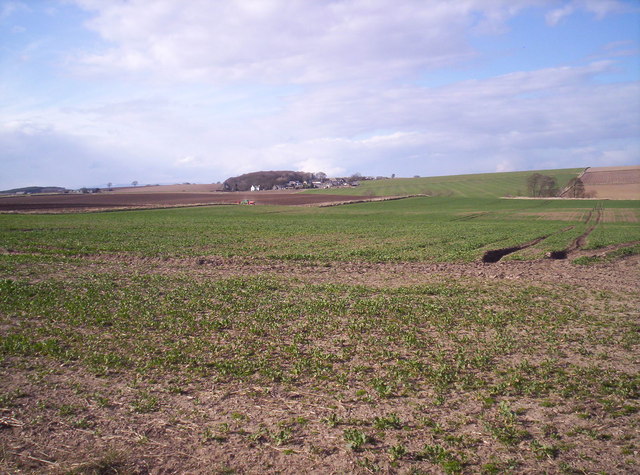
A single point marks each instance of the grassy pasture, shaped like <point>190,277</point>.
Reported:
<point>481,185</point>
<point>234,340</point>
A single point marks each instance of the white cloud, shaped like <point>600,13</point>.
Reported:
<point>9,8</point>
<point>600,8</point>
<point>288,40</point>
<point>555,16</point>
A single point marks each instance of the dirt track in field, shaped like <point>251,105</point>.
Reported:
<point>621,275</point>
<point>62,203</point>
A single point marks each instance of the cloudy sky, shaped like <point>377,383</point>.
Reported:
<point>167,91</point>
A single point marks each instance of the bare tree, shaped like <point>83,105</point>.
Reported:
<point>576,188</point>
<point>134,182</point>
<point>541,185</point>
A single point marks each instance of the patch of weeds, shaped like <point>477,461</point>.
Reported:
<point>9,399</point>
<point>382,387</point>
<point>68,410</point>
<point>625,410</point>
<point>103,364</point>
<point>455,440</point>
<point>438,455</point>
<point>544,451</point>
<point>439,400</point>
<point>176,389</point>
<point>209,435</point>
<point>355,438</point>
<point>436,428</point>
<point>550,431</point>
<point>112,462</point>
<point>363,395</point>
<point>368,465</point>
<point>488,401</point>
<point>225,470</point>
<point>82,423</point>
<point>392,421</point>
<point>505,426</point>
<point>282,437</point>
<point>295,421</point>
<point>498,467</point>
<point>396,452</point>
<point>261,435</point>
<point>145,403</point>
<point>101,401</point>
<point>332,420</point>
<point>587,260</point>
<point>568,469</point>
<point>238,416</point>
<point>594,434</point>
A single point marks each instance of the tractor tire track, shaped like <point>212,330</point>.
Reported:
<point>579,242</point>
<point>495,255</point>
<point>469,217</point>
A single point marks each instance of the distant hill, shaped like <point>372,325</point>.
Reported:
<point>36,189</point>
<point>481,185</point>
<point>266,180</point>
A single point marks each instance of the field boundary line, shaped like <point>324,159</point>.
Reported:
<point>367,200</point>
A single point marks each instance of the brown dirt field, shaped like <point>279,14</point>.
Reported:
<point>614,192</point>
<point>613,215</point>
<point>610,215</point>
<point>113,201</point>
<point>189,188</point>
<point>558,215</point>
<point>619,183</point>
<point>624,168</point>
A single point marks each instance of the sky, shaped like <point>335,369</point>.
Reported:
<point>172,91</point>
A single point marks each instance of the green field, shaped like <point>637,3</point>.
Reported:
<point>350,339</point>
<point>481,185</point>
<point>416,229</point>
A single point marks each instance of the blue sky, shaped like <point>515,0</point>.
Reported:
<point>167,91</point>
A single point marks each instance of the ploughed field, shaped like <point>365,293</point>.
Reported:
<point>424,335</point>
<point>613,182</point>
<point>110,201</point>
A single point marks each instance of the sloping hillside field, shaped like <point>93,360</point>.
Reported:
<point>613,182</point>
<point>482,185</point>
<point>422,335</point>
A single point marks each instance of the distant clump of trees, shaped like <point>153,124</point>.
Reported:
<point>539,185</point>
<point>266,180</point>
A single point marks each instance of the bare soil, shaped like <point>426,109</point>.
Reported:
<point>613,182</point>
<point>178,188</point>
<point>614,192</point>
<point>120,200</point>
